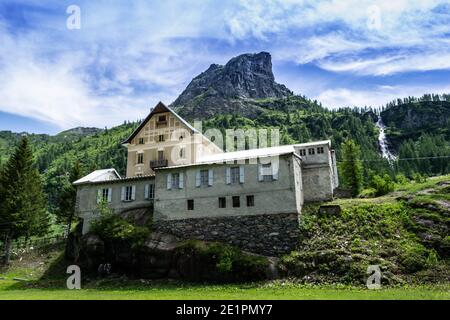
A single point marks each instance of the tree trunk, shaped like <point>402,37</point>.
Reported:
<point>8,243</point>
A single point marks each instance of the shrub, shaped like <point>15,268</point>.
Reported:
<point>382,185</point>
<point>414,257</point>
<point>401,179</point>
<point>368,193</point>
<point>418,178</point>
<point>111,226</point>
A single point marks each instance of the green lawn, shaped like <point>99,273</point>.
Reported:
<point>11,290</point>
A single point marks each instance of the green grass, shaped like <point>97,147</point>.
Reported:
<point>14,290</point>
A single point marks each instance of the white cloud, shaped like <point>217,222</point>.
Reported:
<point>374,97</point>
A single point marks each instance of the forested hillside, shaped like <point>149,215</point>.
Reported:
<point>422,146</point>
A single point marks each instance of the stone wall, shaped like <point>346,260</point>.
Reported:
<point>269,234</point>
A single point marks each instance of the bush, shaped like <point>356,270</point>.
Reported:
<point>368,193</point>
<point>414,257</point>
<point>401,179</point>
<point>382,185</point>
<point>418,178</point>
<point>110,227</point>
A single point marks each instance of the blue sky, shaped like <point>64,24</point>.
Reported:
<point>128,55</point>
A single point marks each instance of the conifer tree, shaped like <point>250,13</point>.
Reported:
<point>67,197</point>
<point>23,211</point>
<point>351,167</point>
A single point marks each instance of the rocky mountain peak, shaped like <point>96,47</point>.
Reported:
<point>230,88</point>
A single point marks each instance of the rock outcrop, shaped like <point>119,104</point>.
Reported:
<point>231,88</point>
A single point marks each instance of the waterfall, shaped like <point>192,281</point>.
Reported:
<point>382,141</point>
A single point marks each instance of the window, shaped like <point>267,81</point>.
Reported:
<point>320,150</point>
<point>128,193</point>
<point>182,153</point>
<point>267,172</point>
<point>311,151</point>
<point>250,201</point>
<point>161,138</point>
<point>204,177</point>
<point>234,174</point>
<point>141,140</point>
<point>140,158</point>
<point>149,192</point>
<point>222,202</point>
<point>160,155</point>
<point>302,152</point>
<point>161,118</point>
<point>105,194</point>
<point>236,202</point>
<point>175,180</point>
<point>190,204</point>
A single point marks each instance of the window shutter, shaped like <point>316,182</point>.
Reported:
<point>146,192</point>
<point>197,179</point>
<point>109,194</point>
<point>133,193</point>
<point>275,169</point>
<point>228,174</point>
<point>169,181</point>
<point>181,181</point>
<point>260,173</point>
<point>210,177</point>
<point>241,174</point>
<point>99,195</point>
<point>122,195</point>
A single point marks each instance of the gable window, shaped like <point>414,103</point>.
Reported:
<point>140,158</point>
<point>161,138</point>
<point>250,201</point>
<point>311,151</point>
<point>236,202</point>
<point>182,153</point>
<point>190,204</point>
<point>162,118</point>
<point>128,193</point>
<point>320,150</point>
<point>222,202</point>
<point>302,152</point>
<point>141,140</point>
<point>234,174</point>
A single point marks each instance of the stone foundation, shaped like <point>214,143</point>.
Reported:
<point>270,234</point>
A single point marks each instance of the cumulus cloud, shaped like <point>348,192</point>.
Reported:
<point>129,55</point>
<point>375,97</point>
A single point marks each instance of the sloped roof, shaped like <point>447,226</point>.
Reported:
<point>250,154</point>
<point>159,108</point>
<point>98,176</point>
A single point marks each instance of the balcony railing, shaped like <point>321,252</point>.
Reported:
<point>159,163</point>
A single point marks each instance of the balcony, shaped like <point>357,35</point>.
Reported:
<point>158,163</point>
